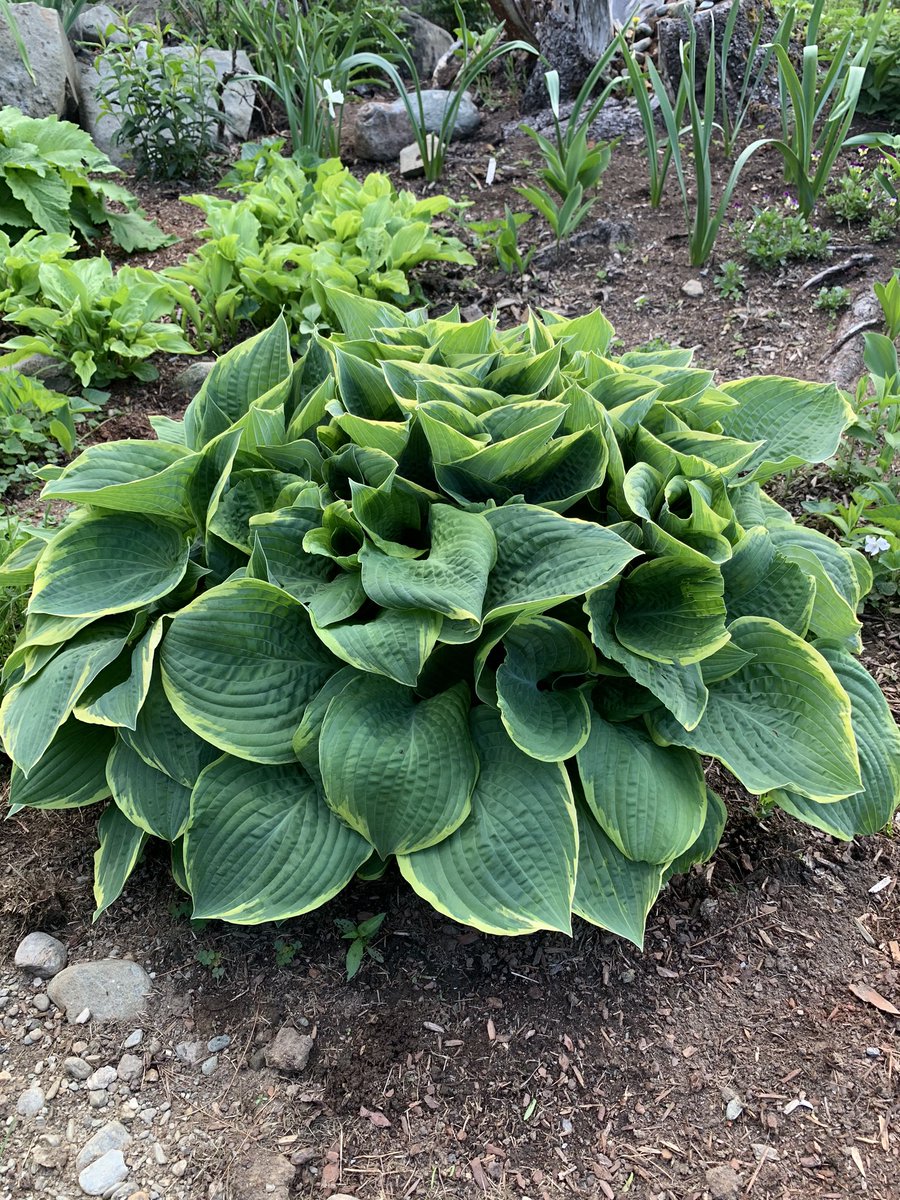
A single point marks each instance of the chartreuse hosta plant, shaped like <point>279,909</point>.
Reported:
<point>478,601</point>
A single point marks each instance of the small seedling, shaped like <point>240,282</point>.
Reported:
<point>212,960</point>
<point>285,952</point>
<point>730,282</point>
<point>360,938</point>
<point>832,299</point>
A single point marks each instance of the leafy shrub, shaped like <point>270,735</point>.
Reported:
<point>49,181</point>
<point>32,418</point>
<point>853,195</point>
<point>291,228</point>
<point>475,599</point>
<point>774,238</point>
<point>104,324</point>
<point>20,263</point>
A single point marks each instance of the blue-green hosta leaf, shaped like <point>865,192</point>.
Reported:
<point>263,846</point>
<point>391,643</point>
<point>358,317</point>
<point>543,708</point>
<point>306,739</point>
<point>837,591</point>
<point>165,742</point>
<point>761,581</point>
<point>121,844</point>
<point>679,688</point>
<point>879,757</point>
<point>248,493</point>
<point>612,891</point>
<point>69,774</point>
<point>782,721</point>
<point>707,842</point>
<point>258,638</point>
<point>672,610</point>
<point>510,867</point>
<point>211,475</point>
<point>544,559</point>
<point>32,711</point>
<point>650,799</point>
<point>799,422</point>
<point>728,454</point>
<point>394,515</point>
<point>116,695</point>
<point>149,798</point>
<point>279,536</point>
<point>129,476</point>
<point>17,569</point>
<point>451,579</point>
<point>398,770</point>
<point>109,563</point>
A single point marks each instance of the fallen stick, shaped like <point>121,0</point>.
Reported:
<point>840,268</point>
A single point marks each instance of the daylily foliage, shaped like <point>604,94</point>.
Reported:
<point>477,600</point>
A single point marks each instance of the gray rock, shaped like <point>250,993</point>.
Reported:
<point>97,24</point>
<point>189,381</point>
<point>58,376</point>
<point>210,1064</point>
<point>130,1068</point>
<point>113,1136</point>
<point>39,954</point>
<point>411,164</point>
<point>134,1039</point>
<point>221,1042</point>
<point>41,1002</point>
<point>101,1079</point>
<point>77,1068</point>
<point>103,127</point>
<point>733,1109</point>
<point>382,130</point>
<point>30,1103</point>
<point>54,89</point>
<point>189,1052</point>
<point>103,1174</point>
<point>723,1183</point>
<point>113,989</point>
<point>426,42</point>
<point>262,1173</point>
<point>693,288</point>
<point>289,1050</point>
<point>50,1153</point>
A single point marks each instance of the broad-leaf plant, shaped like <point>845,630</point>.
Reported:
<point>479,601</point>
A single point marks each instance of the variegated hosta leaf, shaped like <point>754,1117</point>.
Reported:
<point>129,476</point>
<point>837,592</point>
<point>398,770</point>
<point>540,688</point>
<point>672,610</point>
<point>263,846</point>
<point>879,757</point>
<point>165,742</point>
<point>781,721</point>
<point>759,579</point>
<point>149,798</point>
<point>74,576</point>
<point>121,844</point>
<point>392,643</point>
<point>117,694</point>
<point>707,841</point>
<point>260,640</point>
<point>649,799</point>
<point>612,891</point>
<point>69,774</point>
<point>510,867</point>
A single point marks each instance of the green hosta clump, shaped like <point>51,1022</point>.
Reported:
<point>475,600</point>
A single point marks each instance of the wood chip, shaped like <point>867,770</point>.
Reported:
<point>880,885</point>
<point>430,1025</point>
<point>868,995</point>
<point>378,1119</point>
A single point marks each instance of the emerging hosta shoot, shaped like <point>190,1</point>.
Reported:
<point>475,600</point>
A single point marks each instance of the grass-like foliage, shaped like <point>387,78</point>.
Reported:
<point>476,600</point>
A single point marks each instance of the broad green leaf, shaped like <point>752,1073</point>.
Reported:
<point>761,581</point>
<point>649,799</point>
<point>391,643</point>
<point>70,773</point>
<point>540,688</point>
<point>17,569</point>
<point>878,741</point>
<point>837,591</point>
<point>279,535</point>
<point>129,476</point>
<point>612,891</point>
<point>263,846</point>
<point>398,770</point>
<point>120,848</point>
<point>165,742</point>
<point>672,610</point>
<point>149,798</point>
<point>109,563</point>
<point>258,638</point>
<point>544,559</point>
<point>707,842</point>
<point>116,695</point>
<point>781,721</point>
<point>510,867</point>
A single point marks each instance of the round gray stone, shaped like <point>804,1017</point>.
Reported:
<point>103,1174</point>
<point>113,989</point>
<point>41,955</point>
<point>30,1102</point>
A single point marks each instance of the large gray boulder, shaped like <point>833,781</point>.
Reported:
<point>96,24</point>
<point>113,989</point>
<point>382,130</point>
<point>427,43</point>
<point>53,90</point>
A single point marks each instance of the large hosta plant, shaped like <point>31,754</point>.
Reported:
<point>477,601</point>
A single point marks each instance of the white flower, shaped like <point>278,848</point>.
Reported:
<point>332,96</point>
<point>875,545</point>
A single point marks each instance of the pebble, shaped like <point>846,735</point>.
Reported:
<point>159,1155</point>
<point>103,1174</point>
<point>134,1039</point>
<point>642,46</point>
<point>692,288</point>
<point>873,1052</point>
<point>130,1068</point>
<point>41,955</point>
<point>30,1102</point>
<point>210,1065</point>
<point>41,1002</point>
<point>733,1110</point>
<point>98,1099</point>
<point>101,1079</point>
<point>83,1017</point>
<point>113,1136</point>
<point>222,1042</point>
<point>723,1182</point>
<point>77,1068</point>
<point>189,1052</point>
<point>112,989</point>
<point>643,30</point>
<point>289,1050</point>
<point>179,1168</point>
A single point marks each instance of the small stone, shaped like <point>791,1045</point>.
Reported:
<point>693,288</point>
<point>642,46</point>
<point>98,1099</point>
<point>130,1068</point>
<point>643,30</point>
<point>30,1103</point>
<point>764,1152</point>
<point>289,1050</point>
<point>723,1183</point>
<point>189,1052</point>
<point>412,165</point>
<point>210,1065</point>
<point>222,1042</point>
<point>77,1068</point>
<point>83,1017</point>
<point>41,1002</point>
<point>159,1155</point>
<point>101,1079</point>
<point>179,1168</point>
<point>103,1174</point>
<point>189,381</point>
<point>134,1039</point>
<point>50,1155</point>
<point>113,1136</point>
<point>873,1052</point>
<point>41,955</point>
<point>113,989</point>
<point>733,1110</point>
